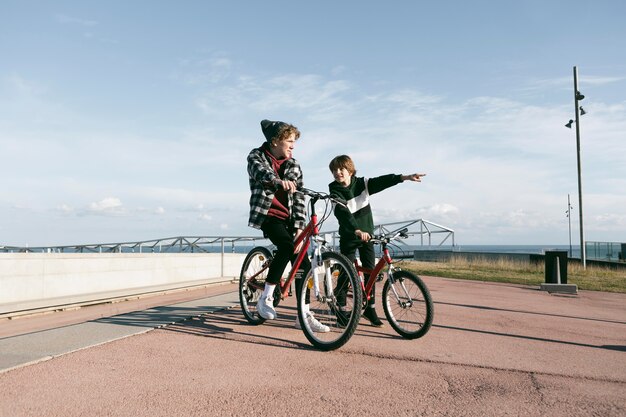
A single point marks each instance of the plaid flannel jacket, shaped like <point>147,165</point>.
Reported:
<point>263,181</point>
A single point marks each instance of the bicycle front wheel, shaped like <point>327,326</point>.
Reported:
<point>252,282</point>
<point>337,306</point>
<point>408,305</point>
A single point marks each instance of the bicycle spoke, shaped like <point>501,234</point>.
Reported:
<point>252,281</point>
<point>337,306</point>
<point>408,305</point>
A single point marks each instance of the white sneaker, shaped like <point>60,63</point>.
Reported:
<point>265,308</point>
<point>315,325</point>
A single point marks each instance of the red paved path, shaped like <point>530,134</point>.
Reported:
<point>494,349</point>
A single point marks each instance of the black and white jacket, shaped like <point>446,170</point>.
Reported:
<point>358,215</point>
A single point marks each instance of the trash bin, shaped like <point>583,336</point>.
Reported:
<point>556,266</point>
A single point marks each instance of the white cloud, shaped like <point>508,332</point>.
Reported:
<point>566,82</point>
<point>410,100</point>
<point>66,19</point>
<point>598,80</point>
<point>22,86</point>
<point>205,71</point>
<point>109,206</point>
<point>321,99</point>
<point>338,70</point>
<point>443,210</point>
<point>64,208</point>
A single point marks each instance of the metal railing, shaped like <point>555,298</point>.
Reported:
<point>418,228</point>
<point>606,251</point>
<point>421,233</point>
<point>180,244</point>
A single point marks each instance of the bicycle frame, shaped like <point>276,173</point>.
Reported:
<point>306,238</point>
<point>370,275</point>
<point>328,296</point>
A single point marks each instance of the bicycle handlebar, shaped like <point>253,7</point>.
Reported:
<point>386,238</point>
<point>322,196</point>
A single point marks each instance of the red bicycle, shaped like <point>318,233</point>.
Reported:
<point>406,300</point>
<point>331,275</point>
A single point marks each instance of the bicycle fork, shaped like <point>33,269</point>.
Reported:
<point>317,266</point>
<point>404,302</point>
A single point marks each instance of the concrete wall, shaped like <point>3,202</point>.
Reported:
<point>39,280</point>
<point>446,255</point>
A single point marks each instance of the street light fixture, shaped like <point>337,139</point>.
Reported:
<point>578,110</point>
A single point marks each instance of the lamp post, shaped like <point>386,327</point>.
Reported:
<point>577,98</point>
<point>568,213</point>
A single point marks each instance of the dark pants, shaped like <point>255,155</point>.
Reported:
<point>367,256</point>
<point>280,233</point>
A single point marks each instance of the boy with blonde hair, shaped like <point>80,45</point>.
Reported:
<point>275,208</point>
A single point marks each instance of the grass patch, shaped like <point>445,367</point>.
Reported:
<point>595,278</point>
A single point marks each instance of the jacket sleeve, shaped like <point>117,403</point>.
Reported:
<point>298,208</point>
<point>259,170</point>
<point>378,184</point>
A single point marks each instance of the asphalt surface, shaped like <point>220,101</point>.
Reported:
<point>494,349</point>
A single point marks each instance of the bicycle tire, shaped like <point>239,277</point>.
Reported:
<point>338,307</point>
<point>257,260</point>
<point>410,319</point>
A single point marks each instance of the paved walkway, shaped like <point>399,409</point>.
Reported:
<point>42,337</point>
<point>494,349</point>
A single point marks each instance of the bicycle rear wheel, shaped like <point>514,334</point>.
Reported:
<point>338,304</point>
<point>408,305</point>
<point>252,282</point>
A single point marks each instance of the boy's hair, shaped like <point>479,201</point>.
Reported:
<point>285,131</point>
<point>342,161</point>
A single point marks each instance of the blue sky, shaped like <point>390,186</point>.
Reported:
<point>123,121</point>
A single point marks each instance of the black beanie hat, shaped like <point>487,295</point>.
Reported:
<point>270,129</point>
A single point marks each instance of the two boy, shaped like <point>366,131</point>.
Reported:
<point>279,211</point>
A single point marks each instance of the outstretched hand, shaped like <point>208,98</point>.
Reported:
<point>413,177</point>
